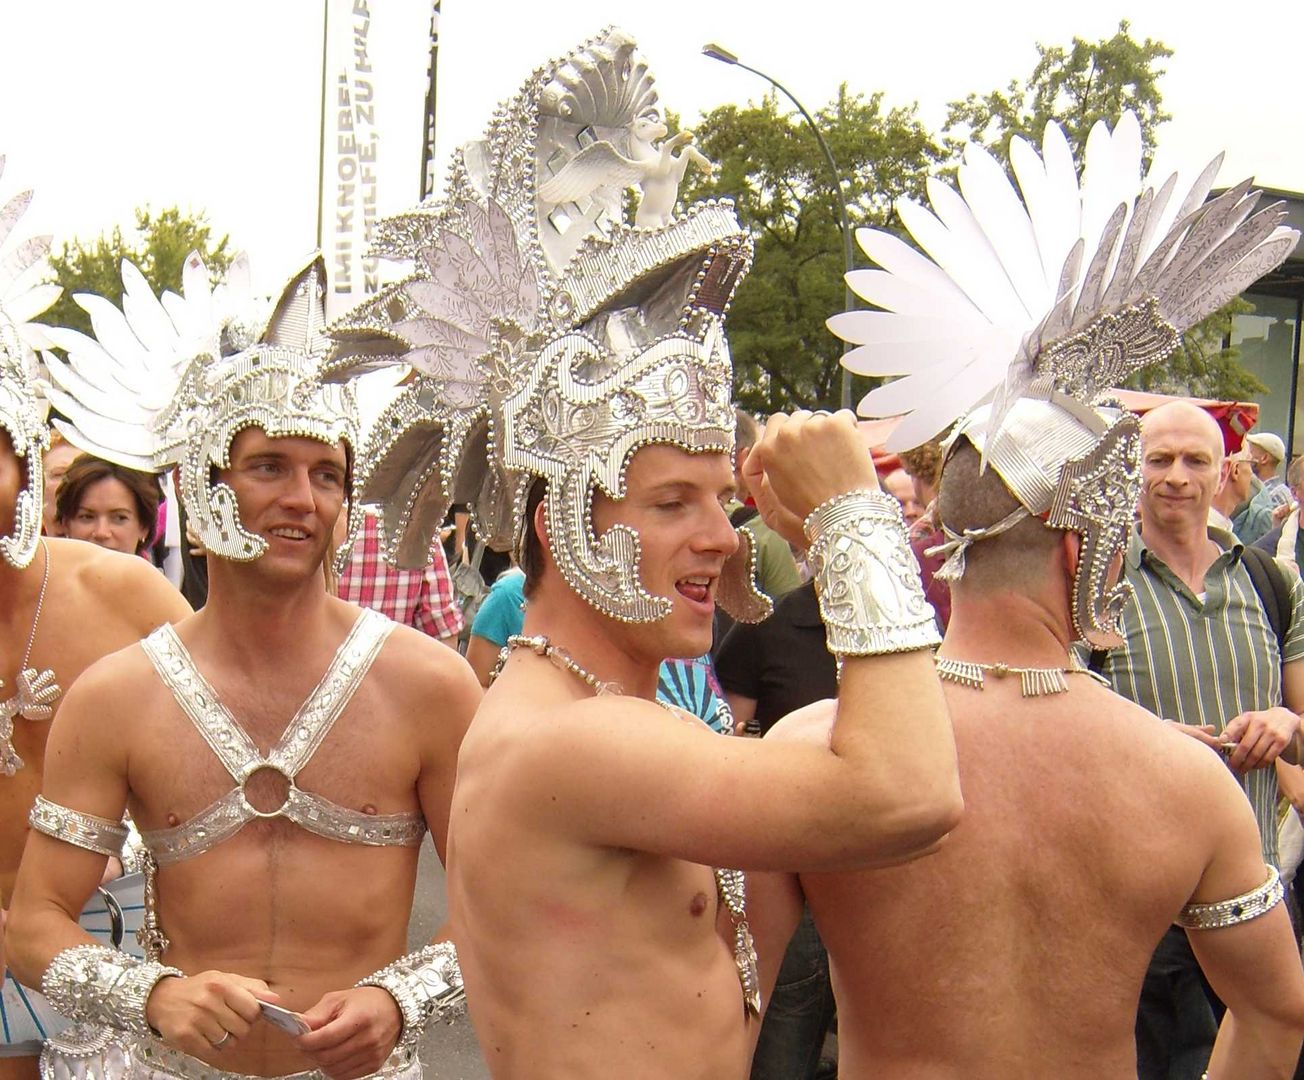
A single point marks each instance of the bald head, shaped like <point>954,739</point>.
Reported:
<point>1184,417</point>
<point>1181,471</point>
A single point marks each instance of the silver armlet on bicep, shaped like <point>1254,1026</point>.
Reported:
<point>98,985</point>
<point>870,593</point>
<point>425,984</point>
<point>97,834</point>
<point>1238,909</point>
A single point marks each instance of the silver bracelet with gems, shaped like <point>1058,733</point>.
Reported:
<point>424,984</point>
<point>870,593</point>
<point>98,985</point>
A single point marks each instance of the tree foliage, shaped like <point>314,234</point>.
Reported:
<point>1075,87</point>
<point>769,162</point>
<point>158,245</point>
<point>771,165</point>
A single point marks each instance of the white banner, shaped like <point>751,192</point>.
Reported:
<point>377,60</point>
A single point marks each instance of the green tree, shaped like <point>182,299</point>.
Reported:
<point>1075,87</point>
<point>158,245</point>
<point>771,165</point>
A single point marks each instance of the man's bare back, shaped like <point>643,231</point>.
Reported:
<point>306,914</point>
<point>97,602</point>
<point>1018,949</point>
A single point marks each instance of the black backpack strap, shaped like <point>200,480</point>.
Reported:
<point>1270,583</point>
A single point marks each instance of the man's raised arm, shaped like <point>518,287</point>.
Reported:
<point>620,772</point>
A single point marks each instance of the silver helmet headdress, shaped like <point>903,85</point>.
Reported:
<point>1023,309</point>
<point>549,339</point>
<point>22,407</point>
<point>172,380</point>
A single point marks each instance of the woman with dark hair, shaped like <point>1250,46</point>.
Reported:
<point>108,504</point>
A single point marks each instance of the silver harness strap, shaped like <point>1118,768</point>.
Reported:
<point>242,759</point>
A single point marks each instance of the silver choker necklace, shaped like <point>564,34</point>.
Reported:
<point>1033,681</point>
<point>730,884</point>
<point>36,692</point>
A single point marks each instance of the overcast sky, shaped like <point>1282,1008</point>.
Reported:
<point>215,106</point>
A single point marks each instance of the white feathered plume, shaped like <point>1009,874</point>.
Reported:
<point>115,387</point>
<point>1080,282</point>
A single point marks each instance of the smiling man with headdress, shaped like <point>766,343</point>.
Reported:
<point>1090,825</point>
<point>573,385</point>
<point>277,750</point>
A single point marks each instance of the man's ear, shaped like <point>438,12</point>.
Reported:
<point>541,525</point>
<point>1071,545</point>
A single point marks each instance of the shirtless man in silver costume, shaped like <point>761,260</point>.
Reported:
<point>1090,826</point>
<point>63,605</point>
<point>286,852</point>
<point>572,380</point>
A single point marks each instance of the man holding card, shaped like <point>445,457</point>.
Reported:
<point>281,856</point>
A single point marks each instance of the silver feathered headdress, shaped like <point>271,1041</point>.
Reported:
<point>549,339</point>
<point>22,408</point>
<point>1037,302</point>
<point>172,380</point>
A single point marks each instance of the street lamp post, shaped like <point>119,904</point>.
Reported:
<point>716,52</point>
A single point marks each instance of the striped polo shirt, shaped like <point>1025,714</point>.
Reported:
<point>1205,661</point>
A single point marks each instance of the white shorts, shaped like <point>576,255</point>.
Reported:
<point>86,1053</point>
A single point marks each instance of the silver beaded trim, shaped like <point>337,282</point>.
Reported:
<point>425,984</point>
<point>1239,909</point>
<point>22,408</point>
<point>97,834</point>
<point>98,985</point>
<point>871,597</point>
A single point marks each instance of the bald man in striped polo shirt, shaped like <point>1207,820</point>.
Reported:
<point>1201,652</point>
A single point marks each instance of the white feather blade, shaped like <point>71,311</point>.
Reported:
<point>1267,256</point>
<point>882,289</point>
<point>113,331</point>
<point>150,324</point>
<point>118,437</point>
<point>946,404</point>
<point>83,442</point>
<point>110,402</point>
<point>964,251</point>
<point>20,259</point>
<point>1004,220</point>
<point>884,327</point>
<point>12,211</point>
<point>900,357</point>
<point>1093,285</point>
<point>1199,191</point>
<point>25,306</point>
<point>895,255</point>
<point>85,356</point>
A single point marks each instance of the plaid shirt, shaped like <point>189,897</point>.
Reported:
<point>419,598</point>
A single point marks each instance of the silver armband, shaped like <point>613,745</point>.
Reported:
<point>870,593</point>
<point>98,985</point>
<point>425,984</point>
<point>97,834</point>
<point>1238,909</point>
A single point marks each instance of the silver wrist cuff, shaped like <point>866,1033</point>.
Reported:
<point>871,597</point>
<point>99,985</point>
<point>1238,909</point>
<point>424,984</point>
<point>97,834</point>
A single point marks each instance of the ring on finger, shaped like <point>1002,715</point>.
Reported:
<point>226,1038</point>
